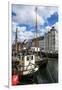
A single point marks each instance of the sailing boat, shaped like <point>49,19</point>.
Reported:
<point>24,61</point>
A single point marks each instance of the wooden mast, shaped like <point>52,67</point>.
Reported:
<point>16,46</point>
<point>36,40</point>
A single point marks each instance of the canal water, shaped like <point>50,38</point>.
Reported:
<point>48,74</point>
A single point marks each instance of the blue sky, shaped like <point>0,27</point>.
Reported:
<point>24,18</point>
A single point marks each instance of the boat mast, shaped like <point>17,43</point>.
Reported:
<point>16,42</point>
<point>36,41</point>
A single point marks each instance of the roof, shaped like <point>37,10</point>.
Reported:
<point>39,38</point>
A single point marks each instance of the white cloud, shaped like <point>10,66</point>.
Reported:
<point>22,34</point>
<point>41,32</point>
<point>47,11</point>
<point>23,28</point>
<point>26,15</point>
<point>25,35</point>
<point>47,28</point>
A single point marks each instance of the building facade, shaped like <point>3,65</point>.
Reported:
<point>48,42</point>
<point>51,41</point>
<point>38,43</point>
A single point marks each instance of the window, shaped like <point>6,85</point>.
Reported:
<point>22,58</point>
<point>27,58</point>
<point>31,57</point>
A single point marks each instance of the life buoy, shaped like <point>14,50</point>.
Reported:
<point>15,80</point>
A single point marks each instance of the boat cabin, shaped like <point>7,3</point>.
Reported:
<point>27,64</point>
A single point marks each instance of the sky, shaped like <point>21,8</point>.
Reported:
<point>24,19</point>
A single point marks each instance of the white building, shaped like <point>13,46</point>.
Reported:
<point>48,43</point>
<point>41,43</point>
<point>51,41</point>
